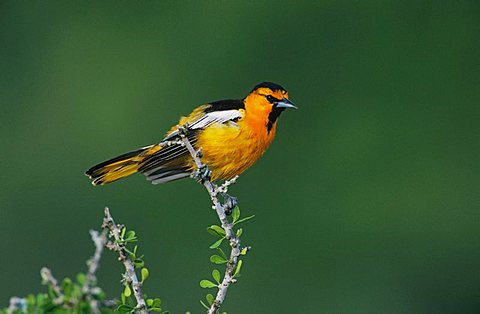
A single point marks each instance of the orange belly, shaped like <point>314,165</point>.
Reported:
<point>230,149</point>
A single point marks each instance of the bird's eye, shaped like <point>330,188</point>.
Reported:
<point>271,99</point>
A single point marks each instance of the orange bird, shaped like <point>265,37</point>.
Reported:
<point>232,133</point>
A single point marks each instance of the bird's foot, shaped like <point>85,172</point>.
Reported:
<point>202,174</point>
<point>183,129</point>
<point>229,203</point>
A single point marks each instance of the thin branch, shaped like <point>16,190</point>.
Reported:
<point>231,236</point>
<point>17,304</point>
<point>118,246</point>
<point>52,282</point>
<point>89,287</point>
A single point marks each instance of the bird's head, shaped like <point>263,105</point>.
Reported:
<point>268,100</point>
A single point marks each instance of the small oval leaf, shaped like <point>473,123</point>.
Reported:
<point>236,214</point>
<point>81,277</point>
<point>145,274</point>
<point>210,298</point>
<point>138,263</point>
<point>127,292</point>
<point>216,244</point>
<point>217,259</point>
<point>239,266</point>
<point>216,275</point>
<point>207,284</point>
<point>123,308</point>
<point>216,230</point>
<point>157,302</point>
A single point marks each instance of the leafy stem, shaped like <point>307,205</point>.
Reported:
<point>224,232</point>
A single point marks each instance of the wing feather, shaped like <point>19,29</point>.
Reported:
<point>171,162</point>
<point>208,119</point>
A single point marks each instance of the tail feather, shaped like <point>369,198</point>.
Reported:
<point>118,167</point>
<point>167,175</point>
<point>158,164</point>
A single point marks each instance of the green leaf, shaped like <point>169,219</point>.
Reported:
<point>239,266</point>
<point>149,302</point>
<point>222,252</point>
<point>204,305</point>
<point>156,302</point>
<point>216,275</point>
<point>239,232</point>
<point>217,243</point>
<point>236,214</point>
<point>207,284</point>
<point>130,236</point>
<point>145,274</point>
<point>67,287</point>
<point>123,232</point>
<point>244,219</point>
<point>40,298</point>
<point>139,262</point>
<point>155,309</point>
<point>31,300</point>
<point>210,298</point>
<point>244,251</point>
<point>130,253</point>
<point>217,259</point>
<point>81,278</point>
<point>216,231</point>
<point>127,292</point>
<point>122,308</point>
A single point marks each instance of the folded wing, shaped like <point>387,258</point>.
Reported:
<point>174,162</point>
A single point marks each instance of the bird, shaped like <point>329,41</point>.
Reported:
<point>232,135</point>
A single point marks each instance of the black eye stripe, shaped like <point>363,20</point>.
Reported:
<point>272,99</point>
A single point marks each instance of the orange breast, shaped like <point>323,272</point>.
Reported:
<point>230,149</point>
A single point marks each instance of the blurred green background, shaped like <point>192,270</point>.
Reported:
<point>367,201</point>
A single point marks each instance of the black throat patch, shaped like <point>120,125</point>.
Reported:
<point>273,116</point>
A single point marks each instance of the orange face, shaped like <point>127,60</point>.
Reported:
<point>261,99</point>
<point>266,102</point>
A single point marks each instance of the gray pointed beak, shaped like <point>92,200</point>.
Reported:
<point>285,103</point>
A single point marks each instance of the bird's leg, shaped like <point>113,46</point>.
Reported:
<point>202,174</point>
<point>229,203</point>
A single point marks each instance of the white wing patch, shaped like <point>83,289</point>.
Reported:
<point>215,117</point>
<point>222,116</point>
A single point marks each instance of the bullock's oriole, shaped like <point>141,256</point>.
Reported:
<point>232,133</point>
